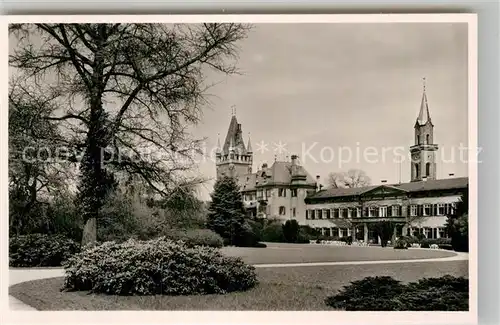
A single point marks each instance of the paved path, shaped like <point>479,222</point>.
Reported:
<point>19,275</point>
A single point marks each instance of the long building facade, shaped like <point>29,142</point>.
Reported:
<point>285,190</point>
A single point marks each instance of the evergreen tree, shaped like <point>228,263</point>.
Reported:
<point>226,215</point>
<point>291,231</point>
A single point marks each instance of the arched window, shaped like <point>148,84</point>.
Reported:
<point>418,139</point>
<point>417,170</point>
<point>427,169</point>
<point>282,211</point>
<point>427,137</point>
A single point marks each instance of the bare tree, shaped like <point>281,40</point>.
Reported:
<point>349,179</point>
<point>33,179</point>
<point>123,90</point>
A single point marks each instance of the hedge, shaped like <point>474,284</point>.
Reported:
<point>40,250</point>
<point>159,266</point>
<point>384,293</point>
<point>197,237</point>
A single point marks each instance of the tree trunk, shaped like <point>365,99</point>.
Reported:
<point>89,236</point>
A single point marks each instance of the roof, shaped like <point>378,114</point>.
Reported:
<point>280,173</point>
<point>424,116</point>
<point>430,185</point>
<point>234,138</point>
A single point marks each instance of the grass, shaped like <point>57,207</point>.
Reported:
<point>277,253</point>
<point>281,288</point>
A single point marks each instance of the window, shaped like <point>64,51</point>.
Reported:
<point>311,214</point>
<point>427,139</point>
<point>294,211</point>
<point>358,212</point>
<point>293,192</point>
<point>442,232</point>
<point>395,210</point>
<point>328,213</point>
<point>349,213</point>
<point>282,192</point>
<point>413,211</point>
<point>417,170</point>
<point>336,213</point>
<point>453,208</point>
<point>319,213</point>
<point>383,212</point>
<point>428,169</point>
<point>282,211</point>
<point>260,194</point>
<point>427,210</point>
<point>268,193</point>
<point>373,212</point>
<point>441,209</point>
<point>418,139</point>
<point>344,213</point>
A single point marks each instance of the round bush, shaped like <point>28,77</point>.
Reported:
<point>370,293</point>
<point>158,266</point>
<point>40,250</point>
<point>446,293</point>
<point>401,244</point>
<point>197,237</point>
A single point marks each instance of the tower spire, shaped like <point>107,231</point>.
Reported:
<point>249,145</point>
<point>424,116</point>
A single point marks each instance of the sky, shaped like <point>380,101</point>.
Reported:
<point>324,90</point>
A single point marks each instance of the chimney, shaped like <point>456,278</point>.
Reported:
<point>318,185</point>
<point>294,160</point>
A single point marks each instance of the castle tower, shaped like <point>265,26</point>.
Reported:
<point>234,159</point>
<point>423,152</point>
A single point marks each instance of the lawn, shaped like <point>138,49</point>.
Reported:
<point>277,253</point>
<point>290,288</point>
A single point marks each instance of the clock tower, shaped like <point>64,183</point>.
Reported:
<point>423,152</point>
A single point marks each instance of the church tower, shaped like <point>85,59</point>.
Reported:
<point>423,152</point>
<point>234,159</point>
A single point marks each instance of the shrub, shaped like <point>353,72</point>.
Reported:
<point>260,245</point>
<point>158,266</point>
<point>40,250</point>
<point>273,232</point>
<point>401,243</point>
<point>291,231</point>
<point>425,245</point>
<point>197,237</point>
<point>410,239</point>
<point>384,293</point>
<point>437,241</point>
<point>247,237</point>
<point>346,239</point>
<point>447,247</point>
<point>444,293</point>
<point>370,293</point>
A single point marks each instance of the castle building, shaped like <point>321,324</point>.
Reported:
<point>285,190</point>
<point>277,191</point>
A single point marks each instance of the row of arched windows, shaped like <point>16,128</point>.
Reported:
<point>427,170</point>
<point>427,139</point>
